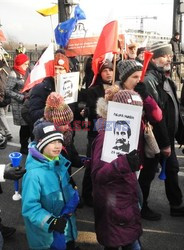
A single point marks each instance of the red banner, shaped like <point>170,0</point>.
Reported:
<point>85,46</point>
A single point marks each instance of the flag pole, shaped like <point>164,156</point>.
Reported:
<point>5,60</point>
<point>53,35</point>
<point>114,69</point>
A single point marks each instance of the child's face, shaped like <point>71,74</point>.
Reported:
<point>53,149</point>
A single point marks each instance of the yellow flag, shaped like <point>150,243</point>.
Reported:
<point>49,11</point>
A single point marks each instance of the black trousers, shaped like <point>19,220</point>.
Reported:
<point>127,247</point>
<point>24,135</point>
<point>172,189</point>
<point>87,182</point>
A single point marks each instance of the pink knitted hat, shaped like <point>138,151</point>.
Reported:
<point>128,96</point>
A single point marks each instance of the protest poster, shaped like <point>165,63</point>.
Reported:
<point>122,130</point>
<point>68,86</point>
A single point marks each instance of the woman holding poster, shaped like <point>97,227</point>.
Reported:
<point>130,74</point>
<point>115,194</point>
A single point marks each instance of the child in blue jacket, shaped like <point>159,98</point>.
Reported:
<point>48,199</point>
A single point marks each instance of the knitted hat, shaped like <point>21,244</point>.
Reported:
<point>128,97</point>
<point>160,49</point>
<point>107,64</point>
<point>20,59</point>
<point>61,60</point>
<point>57,111</point>
<point>44,133</point>
<point>127,67</point>
<point>141,49</point>
<point>123,96</point>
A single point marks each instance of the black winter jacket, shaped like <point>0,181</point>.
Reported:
<point>38,97</point>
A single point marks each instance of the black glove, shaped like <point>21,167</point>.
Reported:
<point>133,160</point>
<point>12,173</point>
<point>141,90</point>
<point>86,112</point>
<point>58,224</point>
<point>84,159</point>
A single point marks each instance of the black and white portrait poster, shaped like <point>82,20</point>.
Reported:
<point>68,85</point>
<point>122,130</point>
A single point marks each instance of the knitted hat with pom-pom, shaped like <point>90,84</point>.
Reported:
<point>128,97</point>
<point>57,111</point>
<point>61,60</point>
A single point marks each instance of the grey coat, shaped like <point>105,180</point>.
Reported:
<point>15,83</point>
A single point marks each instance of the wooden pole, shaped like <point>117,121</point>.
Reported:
<point>114,69</point>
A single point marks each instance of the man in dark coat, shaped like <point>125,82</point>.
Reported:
<point>163,90</point>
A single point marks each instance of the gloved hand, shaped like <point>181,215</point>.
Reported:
<point>84,159</point>
<point>85,112</point>
<point>58,224</point>
<point>141,90</point>
<point>26,95</point>
<point>133,160</point>
<point>12,173</point>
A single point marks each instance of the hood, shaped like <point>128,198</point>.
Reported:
<point>99,81</point>
<point>34,152</point>
<point>36,160</point>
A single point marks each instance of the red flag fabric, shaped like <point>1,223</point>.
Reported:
<point>2,37</point>
<point>107,42</point>
<point>43,68</point>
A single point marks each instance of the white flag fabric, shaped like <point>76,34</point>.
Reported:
<point>43,68</point>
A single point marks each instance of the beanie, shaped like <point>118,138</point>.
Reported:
<point>128,97</point>
<point>44,133</point>
<point>107,64</point>
<point>57,111</point>
<point>122,96</point>
<point>127,67</point>
<point>61,60</point>
<point>176,33</point>
<point>161,48</point>
<point>20,59</point>
<point>140,49</point>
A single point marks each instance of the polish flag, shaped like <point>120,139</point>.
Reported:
<point>43,68</point>
<point>107,42</point>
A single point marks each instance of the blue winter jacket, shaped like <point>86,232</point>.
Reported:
<point>45,191</point>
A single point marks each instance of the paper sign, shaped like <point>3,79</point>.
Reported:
<point>122,130</point>
<point>68,86</point>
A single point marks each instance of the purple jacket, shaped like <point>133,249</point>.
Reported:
<point>117,216</point>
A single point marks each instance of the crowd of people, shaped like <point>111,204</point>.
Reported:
<point>118,190</point>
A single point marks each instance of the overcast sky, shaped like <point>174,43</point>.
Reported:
<point>21,22</point>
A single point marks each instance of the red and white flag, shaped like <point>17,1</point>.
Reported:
<point>43,68</point>
<point>107,42</point>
